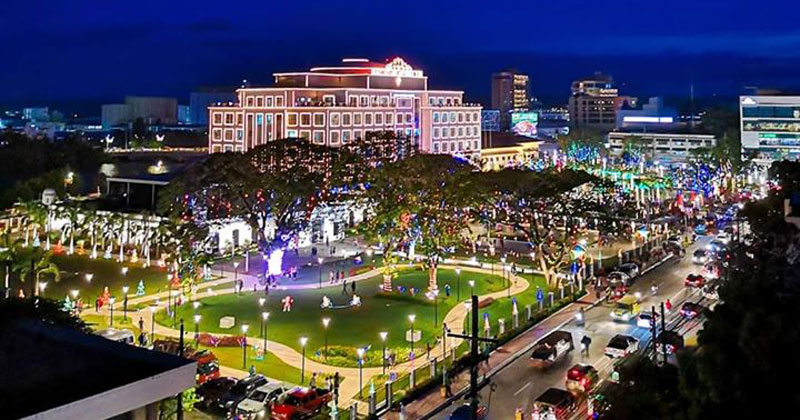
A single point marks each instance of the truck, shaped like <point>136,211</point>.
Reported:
<point>552,348</point>
<point>207,362</point>
<point>554,404</point>
<point>301,403</point>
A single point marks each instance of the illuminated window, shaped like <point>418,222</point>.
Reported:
<point>217,118</point>
<point>319,119</point>
<point>239,119</point>
<point>305,120</point>
<point>239,134</point>
<point>291,120</point>
<point>346,120</point>
<point>356,119</point>
<point>228,135</point>
<point>279,101</point>
<point>217,134</point>
<point>249,101</point>
<point>305,135</point>
<point>335,119</point>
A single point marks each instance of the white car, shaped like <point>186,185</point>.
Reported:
<point>256,405</point>
<point>621,345</point>
<point>724,237</point>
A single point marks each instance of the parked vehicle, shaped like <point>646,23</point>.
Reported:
<point>552,348</point>
<point>211,391</point>
<point>645,320</point>
<point>711,291</point>
<point>207,362</point>
<point>240,391</point>
<point>555,404</point>
<point>694,280</point>
<point>691,310</point>
<point>621,345</point>
<point>631,269</point>
<point>699,257</point>
<point>626,308</point>
<point>259,402</point>
<point>301,402</point>
<point>672,339</point>
<point>464,412</point>
<point>616,278</point>
<point>121,336</point>
<point>581,378</point>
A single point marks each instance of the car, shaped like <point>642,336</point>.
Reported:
<point>257,403</point>
<point>724,237</point>
<point>694,280</point>
<point>712,270</point>
<point>699,257</point>
<point>581,378</point>
<point>671,340</point>
<point>700,229</point>
<point>715,245</point>
<point>631,269</point>
<point>645,320</point>
<point>616,278</point>
<point>240,390</point>
<point>210,392</point>
<point>621,345</point>
<point>124,336</point>
<point>691,310</point>
<point>552,348</point>
<point>300,403</point>
<point>711,291</point>
<point>626,308</point>
<point>676,240</point>
<point>464,412</point>
<point>555,404</point>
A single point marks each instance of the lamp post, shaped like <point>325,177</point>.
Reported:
<point>411,318</point>
<point>264,318</point>
<point>303,341</point>
<point>89,277</point>
<point>434,296</point>
<point>472,287</point>
<point>325,322</point>
<point>125,303</point>
<point>153,323</point>
<point>236,277</point>
<point>383,339</point>
<point>196,329</point>
<point>319,261</point>
<point>468,307</point>
<point>111,301</point>
<point>244,345</point>
<point>458,283</point>
<point>42,286</point>
<point>360,352</point>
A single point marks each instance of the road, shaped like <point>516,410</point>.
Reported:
<point>519,384</point>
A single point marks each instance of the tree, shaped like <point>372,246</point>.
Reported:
<point>44,310</point>
<point>9,255</point>
<point>36,262</point>
<point>73,216</point>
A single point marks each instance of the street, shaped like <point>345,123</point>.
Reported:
<point>519,384</point>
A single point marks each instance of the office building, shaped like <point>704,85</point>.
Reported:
<point>152,110</point>
<point>338,105</point>
<point>36,114</point>
<point>770,127</point>
<point>184,115</point>
<point>511,92</point>
<point>201,98</point>
<point>663,145</point>
<point>595,101</point>
<point>652,114</point>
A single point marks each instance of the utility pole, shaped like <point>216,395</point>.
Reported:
<point>475,358</point>
<point>180,394</point>
<point>663,329</point>
<point>654,325</point>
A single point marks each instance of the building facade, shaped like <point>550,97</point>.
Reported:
<point>770,127</point>
<point>201,98</point>
<point>662,146</point>
<point>511,92</point>
<point>595,101</point>
<point>151,109</point>
<point>338,105</point>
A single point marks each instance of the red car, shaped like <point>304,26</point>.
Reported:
<point>617,292</point>
<point>581,378</point>
<point>302,402</point>
<point>694,280</point>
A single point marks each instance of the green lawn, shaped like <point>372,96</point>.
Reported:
<point>502,308</point>
<point>270,366</point>
<point>349,327</point>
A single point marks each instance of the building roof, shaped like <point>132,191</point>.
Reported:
<point>45,367</point>
<point>505,139</point>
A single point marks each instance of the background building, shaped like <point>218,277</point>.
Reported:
<point>660,144</point>
<point>508,150</point>
<point>652,114</point>
<point>36,114</point>
<point>338,105</point>
<point>595,101</point>
<point>511,91</point>
<point>490,120</point>
<point>770,127</point>
<point>151,109</point>
<point>203,97</point>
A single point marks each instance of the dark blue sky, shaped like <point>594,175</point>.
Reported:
<point>91,51</point>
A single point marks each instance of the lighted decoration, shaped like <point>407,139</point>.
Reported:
<point>287,302</point>
<point>487,328</point>
<point>107,254</point>
<point>578,251</point>
<point>105,296</point>
<point>326,303</point>
<point>140,288</point>
<point>259,351</point>
<point>356,300</point>
<point>275,262</point>
<point>514,310</point>
<point>67,306</point>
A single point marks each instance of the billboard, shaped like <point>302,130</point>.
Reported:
<point>524,123</point>
<point>490,120</point>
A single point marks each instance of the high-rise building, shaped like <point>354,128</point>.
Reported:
<point>511,92</point>
<point>595,101</point>
<point>770,127</point>
<point>338,105</point>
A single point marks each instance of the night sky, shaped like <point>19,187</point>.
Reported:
<point>88,52</point>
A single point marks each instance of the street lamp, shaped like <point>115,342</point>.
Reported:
<point>195,305</point>
<point>458,283</point>
<point>261,301</point>
<point>325,322</point>
<point>434,296</point>
<point>471,287</point>
<point>74,293</point>
<point>468,307</point>
<point>196,329</point>
<point>153,309</point>
<point>244,345</point>
<point>125,303</point>
<point>111,301</point>
<point>88,277</point>
<point>303,341</point>
<point>411,318</point>
<point>236,277</point>
<point>124,270</point>
<point>360,352</point>
<point>384,334</point>
<point>264,318</point>
<point>319,260</point>
<point>42,286</point>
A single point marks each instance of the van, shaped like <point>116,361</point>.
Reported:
<point>626,308</point>
<point>120,336</point>
<point>552,348</point>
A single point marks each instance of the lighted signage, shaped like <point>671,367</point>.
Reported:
<point>490,120</point>
<point>524,123</point>
<point>397,67</point>
<point>656,120</point>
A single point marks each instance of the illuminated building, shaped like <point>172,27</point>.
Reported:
<point>339,105</point>
<point>770,127</point>
<point>508,150</point>
<point>595,101</point>
<point>511,92</point>
<point>664,145</point>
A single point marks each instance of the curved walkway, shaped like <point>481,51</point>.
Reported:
<point>350,387</point>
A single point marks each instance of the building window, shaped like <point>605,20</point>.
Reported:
<point>335,120</point>
<point>329,100</point>
<point>378,118</point>
<point>364,100</point>
<point>368,119</point>
<point>353,101</point>
<point>305,135</point>
<point>319,137</point>
<point>444,147</point>
<point>475,144</point>
<point>444,117</point>
<point>408,117</point>
<point>356,119</point>
<point>460,131</point>
<point>228,135</point>
<point>356,134</point>
<point>345,136</point>
<point>453,132</point>
<point>269,101</point>
<point>279,101</point>
<point>460,146</point>
<point>291,120</point>
<point>388,118</point>
<point>346,120</point>
<point>217,134</point>
<point>476,117</point>
<point>334,137</point>
<point>468,117</point>
<point>239,135</point>
<point>305,120</point>
<point>228,118</point>
<point>435,117</point>
<point>460,117</point>
<point>319,119</point>
<point>399,119</point>
<point>436,132</point>
<point>259,119</point>
<point>217,118</point>
<point>259,102</point>
<point>249,101</point>
<point>435,147</point>
<point>453,117</point>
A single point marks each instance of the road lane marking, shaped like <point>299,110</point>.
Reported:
<point>522,389</point>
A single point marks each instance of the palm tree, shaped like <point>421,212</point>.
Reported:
<point>36,263</point>
<point>35,216</point>
<point>72,215</point>
<point>9,255</point>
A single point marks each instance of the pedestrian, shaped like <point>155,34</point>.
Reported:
<point>328,242</point>
<point>331,277</point>
<point>585,342</point>
<point>344,287</point>
<point>448,391</point>
<point>353,286</point>
<point>313,251</point>
<point>427,351</point>
<point>141,324</point>
<point>313,382</point>
<point>97,304</point>
<point>142,339</point>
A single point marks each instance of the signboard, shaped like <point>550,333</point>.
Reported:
<point>490,120</point>
<point>539,295</point>
<point>525,123</point>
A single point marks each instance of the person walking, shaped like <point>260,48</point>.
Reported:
<point>313,382</point>
<point>586,341</point>
<point>344,287</point>
<point>353,286</point>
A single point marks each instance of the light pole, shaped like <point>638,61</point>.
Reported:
<point>196,329</point>
<point>458,283</point>
<point>434,296</point>
<point>360,352</point>
<point>111,301</point>
<point>319,260</point>
<point>264,319</point>
<point>471,287</point>
<point>125,303</point>
<point>244,345</point>
<point>153,309</point>
<point>383,339</point>
<point>236,277</point>
<point>411,318</point>
<point>468,307</point>
<point>303,341</point>
<point>42,286</point>
<point>325,322</point>
<point>88,277</point>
